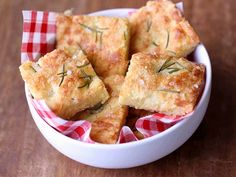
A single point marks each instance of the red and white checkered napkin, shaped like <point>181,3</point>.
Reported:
<point>153,124</point>
<point>39,34</point>
<point>39,37</point>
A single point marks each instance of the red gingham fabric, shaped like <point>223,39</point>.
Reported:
<point>156,123</point>
<point>78,130</point>
<point>126,135</point>
<point>39,33</point>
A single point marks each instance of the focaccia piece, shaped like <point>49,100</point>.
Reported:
<point>163,84</point>
<point>107,119</point>
<point>66,81</point>
<point>105,40</point>
<point>160,27</point>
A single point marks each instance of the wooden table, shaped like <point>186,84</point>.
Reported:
<point>210,152</point>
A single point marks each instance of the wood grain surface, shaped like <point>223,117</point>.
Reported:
<point>210,152</point>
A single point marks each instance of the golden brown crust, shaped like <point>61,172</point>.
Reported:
<point>107,119</point>
<point>164,84</point>
<point>159,27</point>
<point>105,40</point>
<point>66,82</point>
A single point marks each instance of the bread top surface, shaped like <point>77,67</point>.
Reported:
<point>162,83</point>
<point>105,40</point>
<point>66,81</point>
<point>160,27</point>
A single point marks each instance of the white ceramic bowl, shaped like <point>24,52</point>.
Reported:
<point>134,153</point>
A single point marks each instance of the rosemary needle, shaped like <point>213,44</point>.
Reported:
<point>81,49</point>
<point>82,86</point>
<point>87,78</point>
<point>149,24</point>
<point>96,109</point>
<point>83,65</point>
<point>173,70</point>
<point>167,90</point>
<point>154,43</point>
<point>63,74</point>
<point>183,67</point>
<point>168,38</point>
<point>171,52</point>
<point>100,43</point>
<point>88,27</point>
<point>33,69</point>
<point>102,28</point>
<point>125,36</point>
<point>166,65</point>
<point>96,36</point>
<point>97,31</point>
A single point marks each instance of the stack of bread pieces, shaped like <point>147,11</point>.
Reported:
<point>91,76</point>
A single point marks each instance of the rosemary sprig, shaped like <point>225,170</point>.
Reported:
<point>168,38</point>
<point>170,91</point>
<point>149,24</point>
<point>166,64</point>
<point>62,75</point>
<point>97,31</point>
<point>83,65</point>
<point>33,69</point>
<point>92,30</point>
<point>155,44</point>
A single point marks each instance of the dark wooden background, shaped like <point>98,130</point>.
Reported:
<point>210,152</point>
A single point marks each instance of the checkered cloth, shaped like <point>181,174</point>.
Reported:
<point>39,34</point>
<point>39,38</point>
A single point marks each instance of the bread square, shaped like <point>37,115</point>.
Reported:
<point>107,119</point>
<point>65,80</point>
<point>105,40</point>
<point>160,27</point>
<point>162,84</point>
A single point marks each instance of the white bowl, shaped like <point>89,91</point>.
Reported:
<point>134,153</point>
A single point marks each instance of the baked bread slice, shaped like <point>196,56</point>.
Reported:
<point>107,119</point>
<point>65,80</point>
<point>105,40</point>
<point>159,27</point>
<point>162,84</point>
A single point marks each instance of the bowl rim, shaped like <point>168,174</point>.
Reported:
<point>206,90</point>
